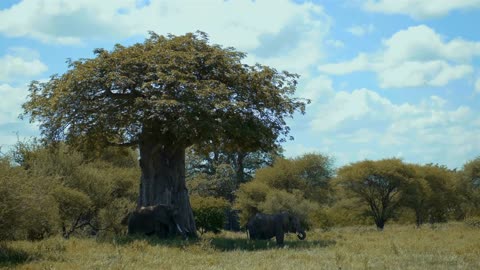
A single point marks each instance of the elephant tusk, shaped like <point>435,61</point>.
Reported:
<point>301,235</point>
<point>179,229</point>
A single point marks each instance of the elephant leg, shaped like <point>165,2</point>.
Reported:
<point>279,237</point>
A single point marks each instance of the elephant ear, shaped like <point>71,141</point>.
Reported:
<point>173,210</point>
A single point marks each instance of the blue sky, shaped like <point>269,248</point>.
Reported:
<point>387,78</point>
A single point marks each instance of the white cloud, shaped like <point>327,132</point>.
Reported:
<point>65,22</point>
<point>317,89</point>
<point>11,101</point>
<point>346,107</point>
<point>419,9</point>
<point>292,38</point>
<point>20,63</point>
<point>12,128</point>
<point>361,30</point>
<point>477,86</point>
<point>335,43</point>
<point>364,124</point>
<point>417,56</point>
<point>296,149</point>
<point>417,73</point>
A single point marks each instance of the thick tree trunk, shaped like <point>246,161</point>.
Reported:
<point>380,224</point>
<point>240,169</point>
<point>163,180</point>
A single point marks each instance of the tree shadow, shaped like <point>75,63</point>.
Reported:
<point>230,244</point>
<point>151,240</point>
<point>220,243</point>
<point>10,257</point>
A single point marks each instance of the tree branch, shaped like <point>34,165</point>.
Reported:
<point>127,144</point>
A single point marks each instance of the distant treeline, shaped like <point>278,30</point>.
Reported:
<point>49,190</point>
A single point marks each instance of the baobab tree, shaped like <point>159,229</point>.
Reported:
<point>162,96</point>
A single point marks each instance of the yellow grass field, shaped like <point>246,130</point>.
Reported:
<point>446,246</point>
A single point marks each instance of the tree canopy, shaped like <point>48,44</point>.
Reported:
<point>378,184</point>
<point>180,89</point>
<point>298,185</point>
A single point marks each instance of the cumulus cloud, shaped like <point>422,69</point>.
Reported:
<point>316,89</point>
<point>477,86</point>
<point>292,38</point>
<point>361,30</point>
<point>335,43</point>
<point>363,121</point>
<point>11,101</point>
<point>65,22</point>
<point>417,56</point>
<point>20,63</point>
<point>419,9</point>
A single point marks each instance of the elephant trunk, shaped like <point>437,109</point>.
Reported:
<point>301,235</point>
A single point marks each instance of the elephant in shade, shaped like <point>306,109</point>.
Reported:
<point>264,227</point>
<point>161,219</point>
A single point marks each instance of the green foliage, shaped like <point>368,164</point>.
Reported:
<point>11,201</point>
<point>60,190</point>
<point>205,158</point>
<point>219,184</point>
<point>27,209</point>
<point>209,213</point>
<point>110,217</point>
<point>473,221</point>
<point>190,90</point>
<point>470,186</point>
<point>433,194</point>
<point>75,208</point>
<point>377,184</point>
<point>348,212</point>
<point>298,185</point>
<point>293,202</point>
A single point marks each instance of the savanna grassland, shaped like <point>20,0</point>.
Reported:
<point>447,246</point>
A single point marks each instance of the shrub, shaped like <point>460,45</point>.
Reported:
<point>60,189</point>
<point>300,186</point>
<point>27,209</point>
<point>294,202</point>
<point>209,213</point>
<point>473,221</point>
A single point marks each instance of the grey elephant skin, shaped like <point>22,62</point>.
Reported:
<point>264,226</point>
<point>157,219</point>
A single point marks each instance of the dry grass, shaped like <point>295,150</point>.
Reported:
<point>449,246</point>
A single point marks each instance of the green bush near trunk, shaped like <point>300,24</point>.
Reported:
<point>209,213</point>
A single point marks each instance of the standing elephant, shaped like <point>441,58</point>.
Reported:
<point>263,226</point>
<point>159,219</point>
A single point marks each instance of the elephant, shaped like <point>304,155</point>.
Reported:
<point>263,226</point>
<point>160,219</point>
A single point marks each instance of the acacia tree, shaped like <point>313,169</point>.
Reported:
<point>378,184</point>
<point>433,194</point>
<point>470,185</point>
<point>164,95</point>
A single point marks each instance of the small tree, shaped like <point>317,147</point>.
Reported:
<point>164,95</point>
<point>377,184</point>
<point>27,209</point>
<point>432,194</point>
<point>298,185</point>
<point>210,213</point>
<point>416,197</point>
<point>88,194</point>
<point>470,185</point>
